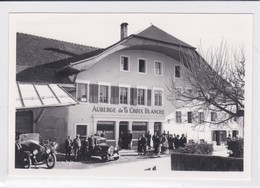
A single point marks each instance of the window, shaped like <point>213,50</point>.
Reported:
<point>178,117</point>
<point>124,64</point>
<point>178,93</point>
<point>189,117</point>
<point>157,98</point>
<point>142,66</point>
<point>158,68</point>
<point>138,128</point>
<point>123,95</point>
<point>82,92</point>
<point>81,130</point>
<point>141,96</point>
<point>106,127</point>
<point>201,117</point>
<point>213,116</point>
<point>103,94</point>
<point>177,71</point>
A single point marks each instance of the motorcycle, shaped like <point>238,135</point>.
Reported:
<point>30,152</point>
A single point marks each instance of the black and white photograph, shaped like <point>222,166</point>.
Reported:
<point>144,92</point>
<point>132,96</point>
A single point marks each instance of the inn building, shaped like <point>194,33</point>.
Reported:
<point>122,87</point>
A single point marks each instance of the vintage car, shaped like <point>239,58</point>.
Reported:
<point>29,152</point>
<point>102,151</point>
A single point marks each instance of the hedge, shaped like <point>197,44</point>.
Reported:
<point>194,162</point>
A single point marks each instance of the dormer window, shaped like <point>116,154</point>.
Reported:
<point>124,63</point>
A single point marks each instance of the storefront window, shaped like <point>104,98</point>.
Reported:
<point>103,94</point>
<point>81,130</point>
<point>107,128</point>
<point>138,128</point>
<point>141,96</point>
<point>82,92</point>
<point>158,98</point>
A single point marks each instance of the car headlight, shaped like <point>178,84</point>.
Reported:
<point>48,150</point>
<point>116,148</point>
<point>35,152</point>
<point>111,149</point>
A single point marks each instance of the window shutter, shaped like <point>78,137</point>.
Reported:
<point>93,93</point>
<point>149,97</point>
<point>133,96</point>
<point>114,95</point>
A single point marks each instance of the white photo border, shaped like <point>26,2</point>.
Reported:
<point>7,75</point>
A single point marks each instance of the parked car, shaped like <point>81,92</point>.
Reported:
<point>102,151</point>
<point>30,152</point>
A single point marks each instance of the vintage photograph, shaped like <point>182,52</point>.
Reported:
<point>144,92</point>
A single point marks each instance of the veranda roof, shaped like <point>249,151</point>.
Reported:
<point>35,95</point>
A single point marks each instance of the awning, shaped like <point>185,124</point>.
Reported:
<point>34,95</point>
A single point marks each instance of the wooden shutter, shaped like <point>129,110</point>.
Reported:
<point>149,97</point>
<point>93,93</point>
<point>133,96</point>
<point>114,95</point>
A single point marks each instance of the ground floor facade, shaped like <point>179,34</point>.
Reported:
<point>88,119</point>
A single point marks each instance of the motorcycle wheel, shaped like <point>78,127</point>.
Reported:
<point>51,161</point>
<point>104,158</point>
<point>27,162</point>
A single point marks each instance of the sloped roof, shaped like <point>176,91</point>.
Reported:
<point>34,50</point>
<point>38,58</point>
<point>156,34</point>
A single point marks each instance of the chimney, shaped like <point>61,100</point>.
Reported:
<point>124,30</point>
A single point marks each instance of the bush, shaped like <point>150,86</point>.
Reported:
<point>194,148</point>
<point>236,146</point>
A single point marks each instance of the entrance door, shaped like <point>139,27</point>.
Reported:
<point>123,127</point>
<point>220,137</point>
<point>157,128</point>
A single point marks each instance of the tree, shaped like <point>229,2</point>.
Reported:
<point>216,82</point>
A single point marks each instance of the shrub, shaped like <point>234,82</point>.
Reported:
<point>194,148</point>
<point>236,146</point>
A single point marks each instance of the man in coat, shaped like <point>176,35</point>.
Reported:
<point>68,146</point>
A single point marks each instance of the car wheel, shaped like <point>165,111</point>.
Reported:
<point>51,160</point>
<point>27,162</point>
<point>104,158</point>
<point>116,158</point>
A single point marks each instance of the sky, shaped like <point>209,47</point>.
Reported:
<point>103,30</point>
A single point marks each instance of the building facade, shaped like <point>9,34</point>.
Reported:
<point>125,87</point>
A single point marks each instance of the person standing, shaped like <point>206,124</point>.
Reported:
<point>183,141</point>
<point>76,147</point>
<point>143,144</point>
<point>103,134</point>
<point>171,143</point>
<point>157,145</point>
<point>68,146</point>
<point>148,137</point>
<point>129,140</point>
<point>176,141</point>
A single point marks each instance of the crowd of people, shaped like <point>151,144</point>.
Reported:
<point>161,142</point>
<point>82,147</point>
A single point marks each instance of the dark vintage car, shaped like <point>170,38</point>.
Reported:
<point>28,151</point>
<point>102,151</point>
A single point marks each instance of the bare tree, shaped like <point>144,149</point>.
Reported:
<point>216,82</point>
